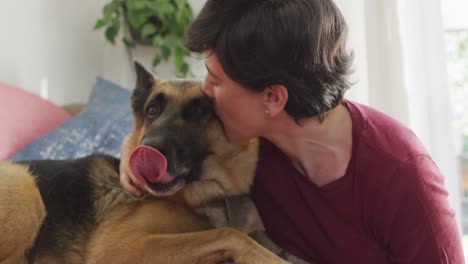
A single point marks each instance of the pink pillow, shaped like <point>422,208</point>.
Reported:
<point>24,117</point>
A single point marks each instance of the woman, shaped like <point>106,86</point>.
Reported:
<point>336,182</point>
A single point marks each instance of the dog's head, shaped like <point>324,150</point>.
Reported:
<point>178,120</point>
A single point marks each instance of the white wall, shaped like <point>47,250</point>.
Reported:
<point>50,40</point>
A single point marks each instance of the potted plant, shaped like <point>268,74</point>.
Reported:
<point>159,23</point>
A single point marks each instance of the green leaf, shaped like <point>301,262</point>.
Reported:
<point>180,3</point>
<point>148,30</point>
<point>111,33</point>
<point>184,69</point>
<point>162,7</point>
<point>178,56</point>
<point>128,43</point>
<point>100,23</point>
<point>179,59</point>
<point>157,60</point>
<point>171,40</point>
<point>159,41</point>
<point>110,9</point>
<point>137,19</point>
<point>136,4</point>
<point>167,9</point>
<point>165,52</point>
<point>116,23</point>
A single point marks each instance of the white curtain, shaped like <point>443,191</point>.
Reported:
<point>407,77</point>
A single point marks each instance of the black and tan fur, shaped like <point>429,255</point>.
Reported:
<point>75,211</point>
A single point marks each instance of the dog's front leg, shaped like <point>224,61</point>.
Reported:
<point>262,238</point>
<point>239,212</point>
<point>187,248</point>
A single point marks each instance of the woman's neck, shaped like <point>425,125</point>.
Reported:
<point>319,150</point>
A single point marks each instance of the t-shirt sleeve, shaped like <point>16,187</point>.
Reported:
<point>418,224</point>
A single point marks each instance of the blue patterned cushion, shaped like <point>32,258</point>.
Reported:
<point>99,128</point>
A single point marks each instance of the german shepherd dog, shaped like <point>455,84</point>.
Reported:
<point>75,211</point>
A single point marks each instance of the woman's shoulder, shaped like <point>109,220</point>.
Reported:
<point>383,136</point>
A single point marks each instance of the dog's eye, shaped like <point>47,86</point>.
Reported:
<point>152,112</point>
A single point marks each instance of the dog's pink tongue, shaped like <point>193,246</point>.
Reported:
<point>149,165</point>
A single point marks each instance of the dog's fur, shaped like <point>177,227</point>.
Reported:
<point>75,211</point>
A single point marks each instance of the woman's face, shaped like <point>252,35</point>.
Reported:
<point>242,111</point>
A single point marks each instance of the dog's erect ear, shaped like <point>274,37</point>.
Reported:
<point>144,79</point>
<point>144,84</point>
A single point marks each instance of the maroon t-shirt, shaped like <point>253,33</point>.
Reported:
<point>390,206</point>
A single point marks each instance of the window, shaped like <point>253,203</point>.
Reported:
<point>457,64</point>
<point>456,40</point>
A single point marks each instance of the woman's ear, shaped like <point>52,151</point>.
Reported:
<point>275,98</point>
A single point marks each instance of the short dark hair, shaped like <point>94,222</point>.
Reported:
<point>300,44</point>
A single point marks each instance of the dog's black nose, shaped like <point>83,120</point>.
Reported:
<point>157,142</point>
<point>169,145</point>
